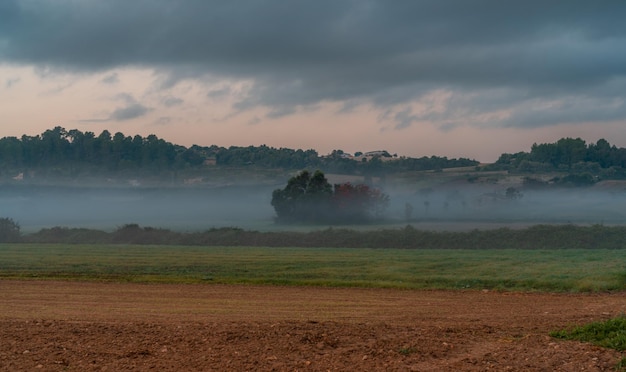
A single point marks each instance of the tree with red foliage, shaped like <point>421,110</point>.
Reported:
<point>354,203</point>
<point>310,198</point>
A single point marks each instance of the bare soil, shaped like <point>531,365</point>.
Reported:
<point>80,326</point>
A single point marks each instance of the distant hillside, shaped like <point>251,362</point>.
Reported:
<point>579,162</point>
<point>61,154</point>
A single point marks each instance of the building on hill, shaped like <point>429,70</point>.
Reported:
<point>381,153</point>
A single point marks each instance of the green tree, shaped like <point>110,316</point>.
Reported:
<point>9,231</point>
<point>55,146</point>
<point>310,198</point>
<point>305,198</point>
<point>11,154</point>
<point>513,194</point>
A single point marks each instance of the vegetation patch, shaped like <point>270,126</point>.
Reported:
<point>62,154</point>
<point>510,270</point>
<point>9,230</point>
<point>549,237</point>
<point>311,198</point>
<point>610,333</point>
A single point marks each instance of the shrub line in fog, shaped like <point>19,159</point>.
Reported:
<point>535,237</point>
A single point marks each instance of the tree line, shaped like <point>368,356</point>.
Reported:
<point>61,152</point>
<point>534,237</point>
<point>67,152</point>
<point>572,155</point>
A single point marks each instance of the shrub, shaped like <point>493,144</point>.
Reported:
<point>9,230</point>
<point>66,235</point>
<point>610,333</point>
<point>132,233</point>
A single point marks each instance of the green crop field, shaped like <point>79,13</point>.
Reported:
<point>573,270</point>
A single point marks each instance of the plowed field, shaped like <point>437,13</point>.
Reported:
<point>79,326</point>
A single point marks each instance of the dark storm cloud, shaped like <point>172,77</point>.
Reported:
<point>131,109</point>
<point>129,112</point>
<point>300,53</point>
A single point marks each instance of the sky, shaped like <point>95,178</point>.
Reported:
<point>451,78</point>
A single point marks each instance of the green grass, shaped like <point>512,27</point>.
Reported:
<point>570,270</point>
<point>610,333</point>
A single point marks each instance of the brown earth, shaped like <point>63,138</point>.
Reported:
<point>78,326</point>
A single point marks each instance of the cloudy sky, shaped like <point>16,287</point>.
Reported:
<point>452,78</point>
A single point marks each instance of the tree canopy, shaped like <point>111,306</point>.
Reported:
<point>310,198</point>
<point>9,230</point>
<point>68,153</point>
<point>572,155</point>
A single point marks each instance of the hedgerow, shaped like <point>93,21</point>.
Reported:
<point>534,237</point>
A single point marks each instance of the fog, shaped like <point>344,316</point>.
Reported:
<point>183,209</point>
<point>486,205</point>
<point>248,207</point>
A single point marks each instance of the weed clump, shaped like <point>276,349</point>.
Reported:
<point>610,333</point>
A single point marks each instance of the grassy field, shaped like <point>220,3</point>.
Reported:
<point>542,270</point>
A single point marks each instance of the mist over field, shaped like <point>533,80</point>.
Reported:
<point>248,207</point>
<point>485,204</point>
<point>185,209</point>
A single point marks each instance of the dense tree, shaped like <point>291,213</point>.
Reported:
<point>267,157</point>
<point>9,230</point>
<point>59,152</point>
<point>358,203</point>
<point>311,198</point>
<point>572,155</point>
<point>73,151</point>
<point>11,153</point>
<point>513,194</point>
<point>55,146</point>
<point>305,198</point>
